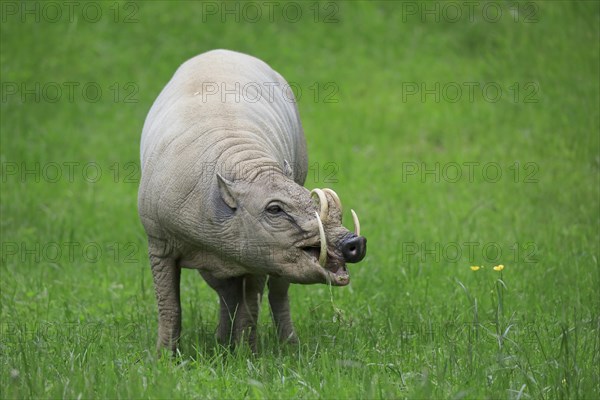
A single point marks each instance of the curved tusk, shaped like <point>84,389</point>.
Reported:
<point>323,253</point>
<point>323,202</point>
<point>356,223</point>
<point>336,198</point>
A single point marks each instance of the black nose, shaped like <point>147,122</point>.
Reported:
<point>354,248</point>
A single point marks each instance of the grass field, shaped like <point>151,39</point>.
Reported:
<point>463,135</point>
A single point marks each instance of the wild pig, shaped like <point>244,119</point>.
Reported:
<point>224,161</point>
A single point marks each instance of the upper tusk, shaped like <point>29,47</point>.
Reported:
<point>323,253</point>
<point>356,223</point>
<point>336,198</point>
<point>323,202</point>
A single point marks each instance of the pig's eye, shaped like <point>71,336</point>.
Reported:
<point>274,209</point>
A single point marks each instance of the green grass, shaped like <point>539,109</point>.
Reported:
<point>416,321</point>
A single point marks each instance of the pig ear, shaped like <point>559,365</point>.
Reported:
<point>287,169</point>
<point>225,188</point>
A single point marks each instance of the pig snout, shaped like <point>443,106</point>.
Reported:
<point>354,248</point>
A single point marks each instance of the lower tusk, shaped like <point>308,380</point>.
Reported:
<point>322,202</point>
<point>356,223</point>
<point>336,198</point>
<point>323,254</point>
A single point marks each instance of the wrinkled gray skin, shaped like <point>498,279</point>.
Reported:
<point>221,192</point>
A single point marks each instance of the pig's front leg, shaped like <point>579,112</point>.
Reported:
<point>246,317</point>
<point>280,309</point>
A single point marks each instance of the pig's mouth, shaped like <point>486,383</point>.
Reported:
<point>337,273</point>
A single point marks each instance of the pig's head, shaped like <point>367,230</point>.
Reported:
<point>289,231</point>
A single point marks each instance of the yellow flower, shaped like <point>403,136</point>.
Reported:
<point>499,267</point>
<point>475,268</point>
